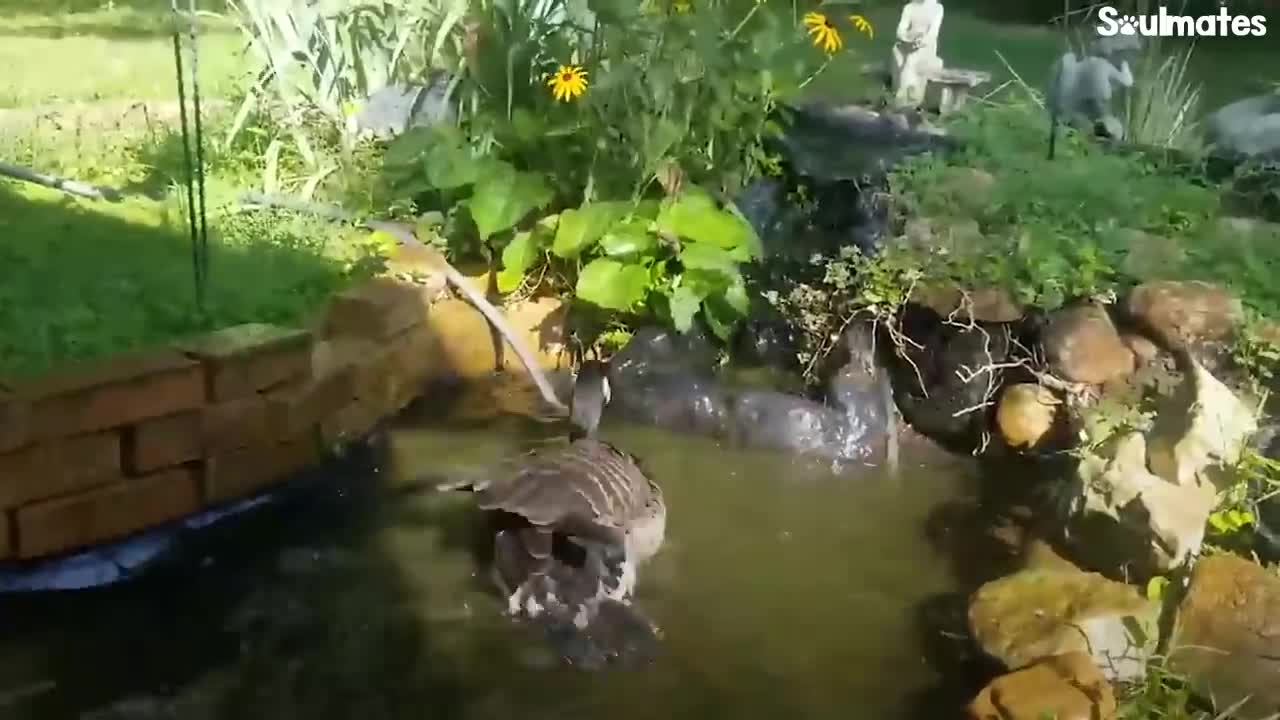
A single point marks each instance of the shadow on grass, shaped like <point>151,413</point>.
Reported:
<point>80,280</point>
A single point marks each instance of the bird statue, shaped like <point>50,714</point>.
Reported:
<point>580,517</point>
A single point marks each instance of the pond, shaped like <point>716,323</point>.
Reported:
<point>785,589</point>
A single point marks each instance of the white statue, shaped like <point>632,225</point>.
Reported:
<point>1080,90</point>
<point>915,50</point>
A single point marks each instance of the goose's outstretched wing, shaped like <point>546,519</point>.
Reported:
<point>585,488</point>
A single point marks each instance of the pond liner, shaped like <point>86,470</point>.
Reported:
<point>175,543</point>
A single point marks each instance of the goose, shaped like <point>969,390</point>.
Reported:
<point>585,493</point>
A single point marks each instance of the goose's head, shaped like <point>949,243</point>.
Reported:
<point>590,395</point>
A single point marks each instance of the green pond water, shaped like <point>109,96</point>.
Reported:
<point>784,590</point>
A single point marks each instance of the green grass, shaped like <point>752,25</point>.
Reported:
<point>82,51</point>
<point>1053,230</point>
<point>80,279</point>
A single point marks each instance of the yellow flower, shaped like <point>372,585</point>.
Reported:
<point>568,83</point>
<point>823,33</point>
<point>862,25</point>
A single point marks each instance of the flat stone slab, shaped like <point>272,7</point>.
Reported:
<point>959,76</point>
<point>250,358</point>
<point>242,341</point>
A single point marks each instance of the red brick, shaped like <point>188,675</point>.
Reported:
<point>242,472</point>
<point>293,409</point>
<point>234,424</point>
<point>376,310</point>
<point>108,513</point>
<point>246,359</point>
<point>162,442</point>
<point>59,467</point>
<point>15,416</point>
<point>113,393</point>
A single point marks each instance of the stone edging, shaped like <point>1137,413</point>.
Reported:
<point>141,439</point>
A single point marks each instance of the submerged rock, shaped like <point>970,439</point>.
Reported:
<point>1227,637</point>
<point>1035,614</point>
<point>668,380</point>
<point>1142,500</point>
<point>1063,687</point>
<point>1082,345</point>
<point>1026,414</point>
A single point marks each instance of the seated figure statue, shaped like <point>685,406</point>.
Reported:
<point>915,50</point>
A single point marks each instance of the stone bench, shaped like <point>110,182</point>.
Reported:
<point>955,84</point>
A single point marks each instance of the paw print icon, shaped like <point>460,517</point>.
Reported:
<point>1128,25</point>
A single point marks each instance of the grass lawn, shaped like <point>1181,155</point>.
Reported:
<point>60,51</point>
<point>80,278</point>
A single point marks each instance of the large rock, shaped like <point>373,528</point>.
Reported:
<point>1035,614</point>
<point>1141,500</point>
<point>983,304</point>
<point>1197,445</point>
<point>1249,127</point>
<point>1227,637</point>
<point>1185,315</point>
<point>1082,345</point>
<point>1064,687</point>
<point>945,379</point>
<point>1150,257</point>
<point>968,189</point>
<point>1026,414</point>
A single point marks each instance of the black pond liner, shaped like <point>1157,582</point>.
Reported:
<point>183,542</point>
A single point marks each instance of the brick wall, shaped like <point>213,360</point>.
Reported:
<point>99,452</point>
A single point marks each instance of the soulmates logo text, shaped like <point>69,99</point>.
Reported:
<point>1164,24</point>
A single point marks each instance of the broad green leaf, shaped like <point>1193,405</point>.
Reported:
<point>451,166</point>
<point>693,215</point>
<point>705,282</point>
<point>629,237</point>
<point>517,257</point>
<point>502,199</point>
<point>701,256</point>
<point>613,285</point>
<point>582,227</point>
<point>736,295</point>
<point>720,317</point>
<point>684,304</point>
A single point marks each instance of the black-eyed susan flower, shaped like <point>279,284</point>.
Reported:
<point>862,25</point>
<point>823,32</point>
<point>568,82</point>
